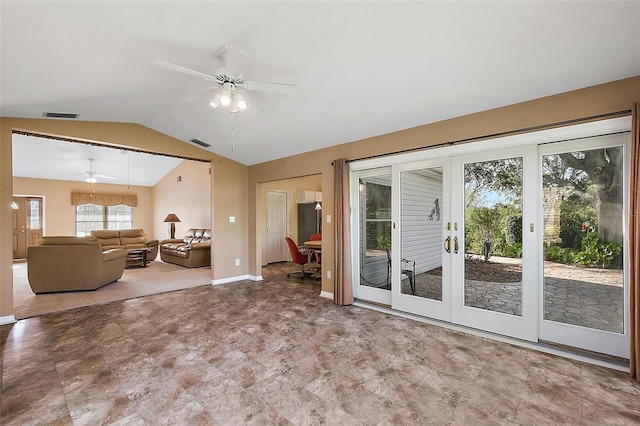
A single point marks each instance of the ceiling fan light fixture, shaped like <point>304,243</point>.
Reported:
<point>241,100</point>
<point>225,99</point>
<point>226,94</point>
<point>91,179</point>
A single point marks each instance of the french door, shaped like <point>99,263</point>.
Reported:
<point>583,298</point>
<point>423,239</point>
<point>525,242</point>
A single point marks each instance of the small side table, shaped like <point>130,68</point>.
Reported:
<point>137,257</point>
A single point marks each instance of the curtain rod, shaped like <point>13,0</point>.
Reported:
<point>63,139</point>
<point>500,134</point>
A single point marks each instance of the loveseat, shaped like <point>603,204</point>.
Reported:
<point>193,251</point>
<point>72,263</point>
<point>127,239</point>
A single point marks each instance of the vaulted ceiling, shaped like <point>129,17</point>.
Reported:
<point>361,68</point>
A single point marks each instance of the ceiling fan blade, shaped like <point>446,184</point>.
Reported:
<point>183,70</point>
<point>233,60</point>
<point>198,94</point>
<point>261,86</point>
<point>103,176</point>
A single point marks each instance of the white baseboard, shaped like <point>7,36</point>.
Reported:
<point>9,319</point>
<point>235,279</point>
<point>326,295</point>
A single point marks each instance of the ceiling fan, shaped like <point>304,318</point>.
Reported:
<point>230,82</point>
<point>91,175</point>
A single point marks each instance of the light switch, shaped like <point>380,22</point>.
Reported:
<point>232,219</point>
<point>328,218</point>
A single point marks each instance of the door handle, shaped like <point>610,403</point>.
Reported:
<point>455,245</point>
<point>447,244</point>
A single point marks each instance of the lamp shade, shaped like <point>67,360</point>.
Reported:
<point>171,218</point>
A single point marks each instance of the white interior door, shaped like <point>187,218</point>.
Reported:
<point>276,221</point>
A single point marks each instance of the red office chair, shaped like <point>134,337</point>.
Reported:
<point>302,260</point>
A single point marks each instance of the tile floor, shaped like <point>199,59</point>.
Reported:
<point>276,353</point>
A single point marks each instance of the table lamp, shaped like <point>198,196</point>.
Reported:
<point>172,219</point>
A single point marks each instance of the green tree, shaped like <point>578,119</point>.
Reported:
<point>596,172</point>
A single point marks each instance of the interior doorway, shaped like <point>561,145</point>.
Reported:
<point>27,224</point>
<point>272,197</point>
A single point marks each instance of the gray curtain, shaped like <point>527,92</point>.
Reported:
<point>343,290</point>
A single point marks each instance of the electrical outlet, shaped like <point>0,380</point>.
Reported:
<point>328,275</point>
<point>237,262</point>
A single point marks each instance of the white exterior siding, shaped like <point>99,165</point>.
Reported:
<point>421,236</point>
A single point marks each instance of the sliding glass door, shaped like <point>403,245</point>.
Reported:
<point>372,196</point>
<point>583,281</point>
<point>526,242</point>
<point>422,263</point>
<point>497,260</point>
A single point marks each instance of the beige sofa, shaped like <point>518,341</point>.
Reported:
<point>193,251</point>
<point>126,239</point>
<point>72,263</point>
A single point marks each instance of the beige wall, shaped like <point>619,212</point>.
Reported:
<point>592,101</point>
<point>229,196</point>
<point>189,198</point>
<point>290,186</point>
<point>236,189</point>
<point>60,215</point>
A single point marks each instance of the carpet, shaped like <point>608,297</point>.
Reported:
<point>158,277</point>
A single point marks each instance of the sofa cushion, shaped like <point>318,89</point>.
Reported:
<point>68,240</point>
<point>107,237</point>
<point>132,236</point>
<point>194,235</point>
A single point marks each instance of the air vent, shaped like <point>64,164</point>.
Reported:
<point>201,143</point>
<point>60,115</point>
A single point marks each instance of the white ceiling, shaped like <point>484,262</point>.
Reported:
<point>51,159</point>
<point>361,68</point>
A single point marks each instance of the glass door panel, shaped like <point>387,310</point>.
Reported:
<point>493,235</point>
<point>421,266</point>
<point>374,235</point>
<point>497,257</point>
<point>583,235</point>
<point>421,233</point>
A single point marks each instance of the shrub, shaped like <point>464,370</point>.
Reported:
<point>561,254</point>
<point>596,253</point>
<point>574,211</point>
<point>514,250</point>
